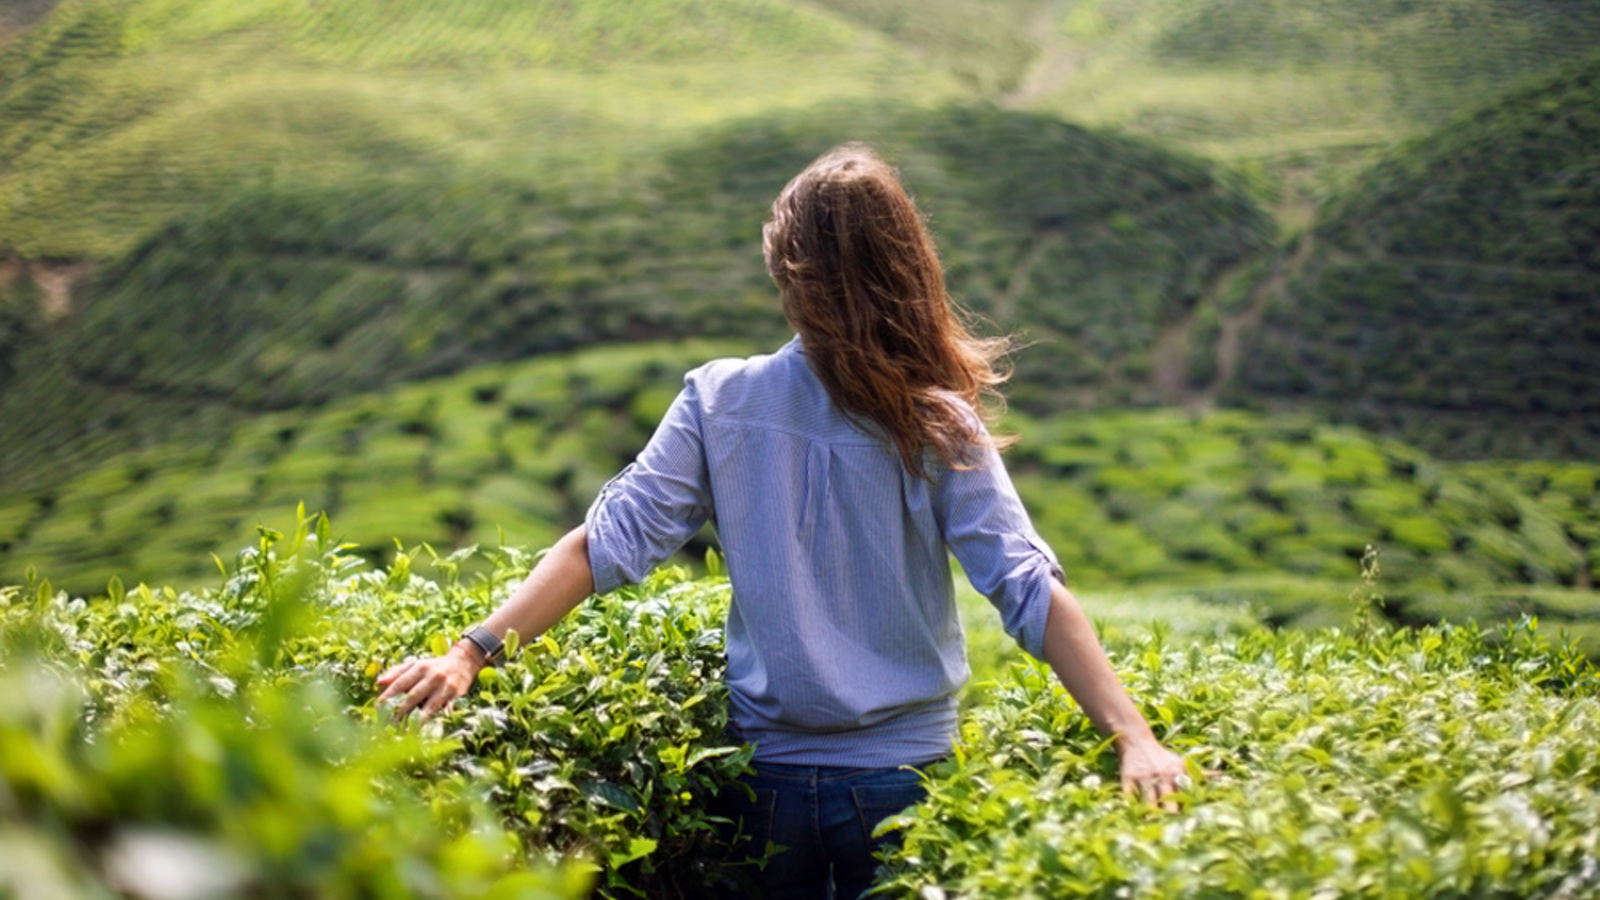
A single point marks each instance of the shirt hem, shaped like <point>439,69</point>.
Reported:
<point>911,739</point>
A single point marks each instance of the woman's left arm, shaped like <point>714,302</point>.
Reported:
<point>1074,653</point>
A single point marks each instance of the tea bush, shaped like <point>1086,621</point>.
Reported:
<point>1429,763</point>
<point>602,753</point>
<point>273,792</point>
<point>1227,507</point>
<point>228,731</point>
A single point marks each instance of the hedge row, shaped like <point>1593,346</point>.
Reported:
<point>228,733</point>
<point>1236,507</point>
<point>594,750</point>
<point>1384,764</point>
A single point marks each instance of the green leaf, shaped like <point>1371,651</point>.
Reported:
<point>608,794</point>
<point>438,645</point>
<point>638,848</point>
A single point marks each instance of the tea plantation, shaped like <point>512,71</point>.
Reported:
<point>1302,95</point>
<point>1230,507</point>
<point>115,115</point>
<point>226,737</point>
<point>338,202</point>
<point>283,296</point>
<point>1302,289</point>
<point>1451,296</point>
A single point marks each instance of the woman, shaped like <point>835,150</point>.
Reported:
<point>840,471</point>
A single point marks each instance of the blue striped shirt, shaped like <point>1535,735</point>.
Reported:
<point>844,647</point>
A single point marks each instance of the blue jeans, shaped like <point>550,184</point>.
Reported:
<point>822,817</point>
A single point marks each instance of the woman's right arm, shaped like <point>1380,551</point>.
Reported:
<point>640,518</point>
<point>558,583</point>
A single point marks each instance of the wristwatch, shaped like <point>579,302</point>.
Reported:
<point>492,648</point>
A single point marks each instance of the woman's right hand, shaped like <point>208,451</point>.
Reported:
<point>429,685</point>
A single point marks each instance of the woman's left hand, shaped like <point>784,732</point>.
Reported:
<point>428,685</point>
<point>1151,770</point>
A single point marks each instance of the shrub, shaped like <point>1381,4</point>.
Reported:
<point>230,729</point>
<point>601,754</point>
<point>1433,763</point>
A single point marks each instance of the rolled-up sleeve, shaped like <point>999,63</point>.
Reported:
<point>655,504</point>
<point>988,530</point>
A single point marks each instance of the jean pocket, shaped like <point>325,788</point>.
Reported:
<point>876,802</point>
<point>749,813</point>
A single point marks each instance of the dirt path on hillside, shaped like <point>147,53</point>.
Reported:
<point>55,282</point>
<point>1230,343</point>
<point>1170,354</point>
<point>1055,62</point>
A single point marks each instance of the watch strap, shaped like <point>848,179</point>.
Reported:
<point>492,648</point>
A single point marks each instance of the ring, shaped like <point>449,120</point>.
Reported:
<point>1182,782</point>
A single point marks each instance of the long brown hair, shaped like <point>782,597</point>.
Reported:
<point>862,284</point>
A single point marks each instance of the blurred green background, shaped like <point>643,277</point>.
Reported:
<point>1294,277</point>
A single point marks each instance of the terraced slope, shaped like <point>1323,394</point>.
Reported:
<point>1453,297</point>
<point>1090,244</point>
<point>1165,496</point>
<point>1228,508</point>
<point>117,114</point>
<point>522,447</point>
<point>1303,93</point>
<point>989,45</point>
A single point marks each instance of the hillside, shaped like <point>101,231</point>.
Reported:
<point>1302,94</point>
<point>522,447</point>
<point>119,116</point>
<point>1229,508</point>
<point>257,255</point>
<point>989,46</point>
<point>1453,296</point>
<point>1091,245</point>
<point>332,185</point>
<point>116,115</point>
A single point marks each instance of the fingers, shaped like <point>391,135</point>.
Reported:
<point>436,702</point>
<point>394,671</point>
<point>429,693</point>
<point>400,679</point>
<point>1162,783</point>
<point>1155,788</point>
<point>421,687</point>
